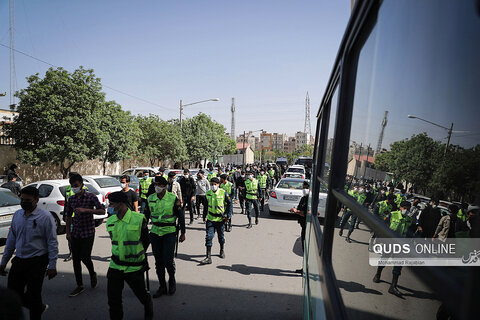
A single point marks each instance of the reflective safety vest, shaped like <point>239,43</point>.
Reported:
<point>216,204</point>
<point>227,187</point>
<point>251,187</point>
<point>144,185</point>
<point>271,172</point>
<point>461,215</point>
<point>400,223</point>
<point>161,211</point>
<point>361,198</point>
<point>383,208</point>
<point>399,199</point>
<point>211,175</point>
<point>128,253</point>
<point>262,181</point>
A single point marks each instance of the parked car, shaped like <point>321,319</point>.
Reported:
<point>104,184</point>
<point>9,203</point>
<point>139,171</point>
<point>296,170</point>
<point>52,198</point>
<point>134,182</point>
<point>287,194</point>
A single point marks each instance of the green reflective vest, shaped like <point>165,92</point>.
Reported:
<point>144,185</point>
<point>461,215</point>
<point>128,253</point>
<point>399,199</point>
<point>216,204</point>
<point>211,175</point>
<point>400,223</point>
<point>161,211</point>
<point>251,187</point>
<point>262,181</point>
<point>383,209</point>
<point>271,172</point>
<point>361,198</point>
<point>227,187</point>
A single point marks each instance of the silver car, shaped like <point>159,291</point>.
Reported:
<point>287,194</point>
<point>9,203</point>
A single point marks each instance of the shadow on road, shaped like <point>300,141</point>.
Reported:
<point>351,286</point>
<point>297,247</point>
<point>248,270</point>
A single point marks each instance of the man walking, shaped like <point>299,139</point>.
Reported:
<point>301,210</point>
<point>253,193</point>
<point>263,185</point>
<point>80,209</point>
<point>202,186</point>
<point>241,191</point>
<point>145,183</point>
<point>129,234</point>
<point>165,208</point>
<point>228,187</point>
<point>187,185</point>
<point>33,237</point>
<point>219,211</point>
<point>12,185</point>
<point>132,198</point>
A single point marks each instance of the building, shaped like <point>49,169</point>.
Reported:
<point>278,141</point>
<point>251,140</point>
<point>7,117</point>
<point>289,145</point>
<point>247,150</point>
<point>301,139</point>
<point>266,141</point>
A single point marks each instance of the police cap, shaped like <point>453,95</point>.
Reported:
<point>118,197</point>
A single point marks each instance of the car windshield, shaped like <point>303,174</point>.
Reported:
<point>290,184</point>
<point>7,199</point>
<point>90,189</point>
<point>107,182</point>
<point>299,170</point>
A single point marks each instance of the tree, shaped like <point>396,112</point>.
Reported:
<point>123,134</point>
<point>160,140</point>
<point>58,119</point>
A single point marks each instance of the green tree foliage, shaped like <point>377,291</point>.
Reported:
<point>59,119</point>
<point>160,140</point>
<point>123,134</point>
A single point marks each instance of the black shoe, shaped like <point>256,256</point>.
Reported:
<point>68,258</point>
<point>191,221</point>
<point>256,220</point>
<point>208,259</point>
<point>348,239</point>
<point>160,292</point>
<point>93,280</point>
<point>76,292</point>
<point>393,290</point>
<point>340,233</point>
<point>222,253</point>
<point>172,285</point>
<point>376,278</point>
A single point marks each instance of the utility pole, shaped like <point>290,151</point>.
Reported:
<point>448,139</point>
<point>12,52</point>
<point>232,132</point>
<point>382,132</point>
<point>244,148</point>
<point>181,111</point>
<point>306,127</point>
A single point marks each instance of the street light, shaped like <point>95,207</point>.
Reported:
<point>244,151</point>
<point>189,104</point>
<point>449,130</point>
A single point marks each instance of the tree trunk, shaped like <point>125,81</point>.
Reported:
<point>66,170</point>
<point>104,165</point>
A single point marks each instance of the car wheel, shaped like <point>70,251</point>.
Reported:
<point>98,222</point>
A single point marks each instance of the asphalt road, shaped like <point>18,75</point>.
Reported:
<point>256,280</point>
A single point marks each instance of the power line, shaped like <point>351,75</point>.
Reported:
<point>116,90</point>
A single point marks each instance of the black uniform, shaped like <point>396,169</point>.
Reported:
<point>188,186</point>
<point>241,191</point>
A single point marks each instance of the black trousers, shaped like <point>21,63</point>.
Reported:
<point>249,203</point>
<point>82,252</point>
<point>204,202</point>
<point>241,199</point>
<point>29,273</point>
<point>163,249</point>
<point>188,205</point>
<point>115,282</point>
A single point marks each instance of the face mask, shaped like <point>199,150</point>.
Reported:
<point>306,192</point>
<point>262,173</point>
<point>214,188</point>
<point>159,189</point>
<point>145,177</point>
<point>123,185</point>
<point>382,192</point>
<point>112,211</point>
<point>404,211</point>
<point>27,206</point>
<point>199,177</point>
<point>250,177</point>
<point>77,190</point>
<point>243,176</point>
<point>186,175</point>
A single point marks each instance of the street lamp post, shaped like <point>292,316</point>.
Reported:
<point>189,104</point>
<point>449,130</point>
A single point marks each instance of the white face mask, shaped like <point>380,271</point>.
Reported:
<point>214,188</point>
<point>123,185</point>
<point>77,190</point>
<point>243,176</point>
<point>306,192</point>
<point>186,175</point>
<point>404,211</point>
<point>250,177</point>
<point>159,189</point>
<point>262,173</point>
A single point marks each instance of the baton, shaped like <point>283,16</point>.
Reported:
<point>147,279</point>
<point>176,244</point>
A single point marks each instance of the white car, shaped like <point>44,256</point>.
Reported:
<point>139,171</point>
<point>295,171</point>
<point>9,203</point>
<point>287,194</point>
<point>104,184</point>
<point>51,195</point>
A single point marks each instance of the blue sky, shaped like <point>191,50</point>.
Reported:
<point>266,54</point>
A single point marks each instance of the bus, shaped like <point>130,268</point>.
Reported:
<point>403,98</point>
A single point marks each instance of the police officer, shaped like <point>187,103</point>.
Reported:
<point>263,185</point>
<point>129,234</point>
<point>382,210</point>
<point>359,195</point>
<point>399,222</point>
<point>164,209</point>
<point>219,211</point>
<point>211,174</point>
<point>228,187</point>
<point>145,183</point>
<point>161,173</point>
<point>253,193</point>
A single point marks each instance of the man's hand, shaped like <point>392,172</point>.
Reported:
<point>51,273</point>
<point>2,270</point>
<point>292,210</point>
<point>182,237</point>
<point>193,198</point>
<point>69,236</point>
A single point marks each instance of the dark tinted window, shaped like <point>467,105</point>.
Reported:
<point>420,63</point>
<point>7,198</point>
<point>45,190</point>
